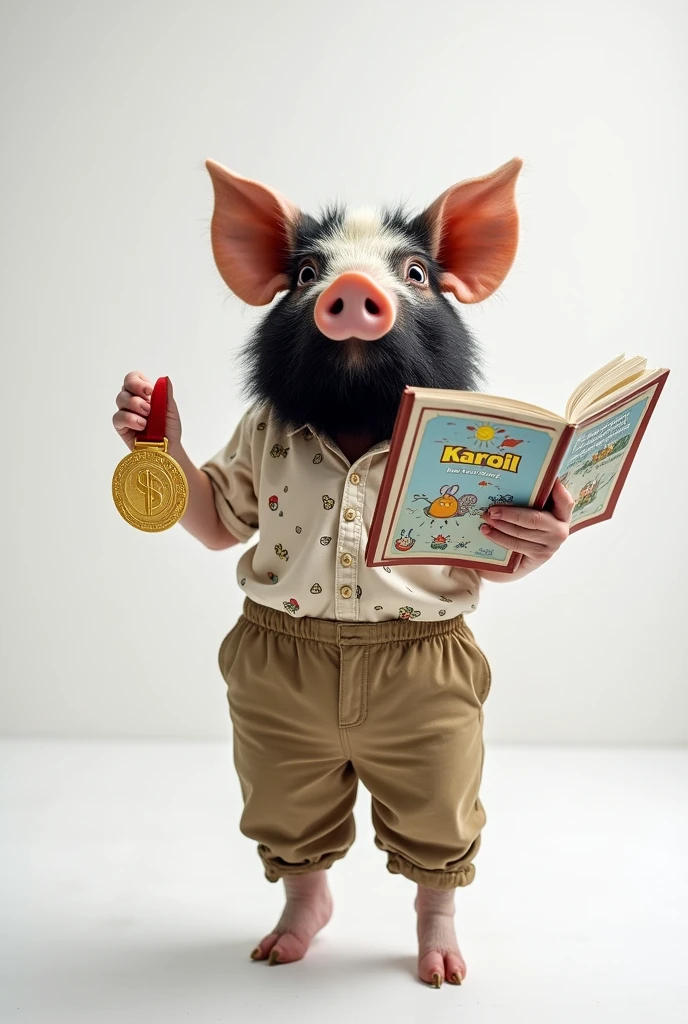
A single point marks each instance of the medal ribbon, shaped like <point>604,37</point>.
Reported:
<point>157,417</point>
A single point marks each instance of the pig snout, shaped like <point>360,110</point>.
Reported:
<point>354,306</point>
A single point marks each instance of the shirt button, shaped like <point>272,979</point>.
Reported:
<point>355,478</point>
<point>346,559</point>
<point>346,592</point>
<point>350,515</point>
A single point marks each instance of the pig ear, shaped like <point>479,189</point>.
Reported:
<point>474,230</point>
<point>252,232</point>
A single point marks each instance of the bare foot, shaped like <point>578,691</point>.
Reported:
<point>307,910</point>
<point>439,956</point>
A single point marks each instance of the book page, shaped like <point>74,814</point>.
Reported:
<point>585,385</point>
<point>596,457</point>
<point>485,404</point>
<point>616,375</point>
<point>454,466</point>
<point>617,394</point>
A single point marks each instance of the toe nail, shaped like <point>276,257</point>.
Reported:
<point>257,953</point>
<point>456,978</point>
<point>437,980</point>
<point>273,958</point>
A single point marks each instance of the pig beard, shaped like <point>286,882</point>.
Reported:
<point>354,387</point>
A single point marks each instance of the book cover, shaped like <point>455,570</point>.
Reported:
<point>600,453</point>
<point>453,455</point>
<point>446,467</point>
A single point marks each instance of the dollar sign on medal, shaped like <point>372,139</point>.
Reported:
<point>149,487</point>
<point>152,487</point>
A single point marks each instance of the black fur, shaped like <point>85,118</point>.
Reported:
<point>308,378</point>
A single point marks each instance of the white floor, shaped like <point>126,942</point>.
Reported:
<point>129,895</point>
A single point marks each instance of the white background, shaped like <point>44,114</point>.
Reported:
<point>132,898</point>
<point>108,113</point>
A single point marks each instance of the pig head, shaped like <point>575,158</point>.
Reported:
<point>365,310</point>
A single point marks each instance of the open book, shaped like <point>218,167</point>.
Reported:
<point>455,453</point>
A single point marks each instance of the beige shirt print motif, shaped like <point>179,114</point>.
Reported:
<point>314,510</point>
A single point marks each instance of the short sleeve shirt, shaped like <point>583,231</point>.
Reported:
<point>313,510</point>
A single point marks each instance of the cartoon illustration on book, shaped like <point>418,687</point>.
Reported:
<point>598,456</point>
<point>605,453</point>
<point>446,506</point>
<point>479,467</point>
<point>589,491</point>
<point>604,444</point>
<point>488,436</point>
<point>405,541</point>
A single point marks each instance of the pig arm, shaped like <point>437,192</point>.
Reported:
<point>229,490</point>
<point>536,535</point>
<point>201,518</point>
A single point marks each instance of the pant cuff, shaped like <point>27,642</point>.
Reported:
<point>276,868</point>
<point>440,879</point>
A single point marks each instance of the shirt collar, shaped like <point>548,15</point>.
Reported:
<point>298,430</point>
<point>382,446</point>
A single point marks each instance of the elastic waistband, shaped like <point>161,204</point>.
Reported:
<point>327,631</point>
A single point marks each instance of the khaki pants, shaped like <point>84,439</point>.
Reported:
<point>317,705</point>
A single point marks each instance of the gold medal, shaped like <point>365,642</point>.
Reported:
<point>149,487</point>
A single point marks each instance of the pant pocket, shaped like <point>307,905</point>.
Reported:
<point>228,647</point>
<point>481,680</point>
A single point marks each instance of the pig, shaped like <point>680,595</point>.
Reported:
<point>361,304</point>
<point>364,278</point>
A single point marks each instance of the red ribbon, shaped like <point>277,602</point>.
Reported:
<point>157,417</point>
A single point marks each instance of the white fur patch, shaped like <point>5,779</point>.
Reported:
<point>363,243</point>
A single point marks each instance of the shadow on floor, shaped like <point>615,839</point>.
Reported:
<point>136,978</point>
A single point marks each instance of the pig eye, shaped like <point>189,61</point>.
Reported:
<point>416,273</point>
<point>307,274</point>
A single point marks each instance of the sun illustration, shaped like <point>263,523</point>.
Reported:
<point>486,435</point>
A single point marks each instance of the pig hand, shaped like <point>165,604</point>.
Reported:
<point>536,535</point>
<point>133,408</point>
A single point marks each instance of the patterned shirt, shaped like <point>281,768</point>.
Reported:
<point>314,510</point>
